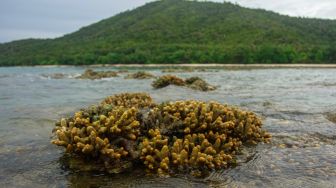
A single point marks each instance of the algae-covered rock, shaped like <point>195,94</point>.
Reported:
<point>128,130</point>
<point>167,80</point>
<point>195,83</point>
<point>140,75</point>
<point>90,74</point>
<point>198,83</point>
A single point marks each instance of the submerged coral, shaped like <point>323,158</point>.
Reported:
<point>167,80</point>
<point>189,69</point>
<point>178,70</point>
<point>331,117</point>
<point>140,75</point>
<point>195,83</point>
<point>90,74</point>
<point>122,71</point>
<point>129,129</point>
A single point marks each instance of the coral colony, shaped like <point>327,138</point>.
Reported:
<point>183,136</point>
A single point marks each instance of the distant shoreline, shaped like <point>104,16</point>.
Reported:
<point>196,65</point>
<point>226,65</point>
<point>243,66</point>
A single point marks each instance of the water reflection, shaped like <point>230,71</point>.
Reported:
<point>297,105</point>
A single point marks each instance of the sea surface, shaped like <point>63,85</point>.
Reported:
<point>293,102</point>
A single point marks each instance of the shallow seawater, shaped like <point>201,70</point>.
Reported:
<point>293,103</point>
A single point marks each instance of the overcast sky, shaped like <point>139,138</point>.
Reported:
<point>53,18</point>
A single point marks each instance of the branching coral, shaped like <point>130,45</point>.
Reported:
<point>188,136</point>
<point>138,100</point>
<point>202,135</point>
<point>90,74</point>
<point>140,75</point>
<point>110,137</point>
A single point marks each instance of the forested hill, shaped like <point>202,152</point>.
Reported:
<point>177,31</point>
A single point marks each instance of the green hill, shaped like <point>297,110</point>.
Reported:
<point>176,31</point>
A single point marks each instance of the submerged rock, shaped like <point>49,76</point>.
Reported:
<point>129,130</point>
<point>178,70</point>
<point>55,75</point>
<point>90,74</point>
<point>140,75</point>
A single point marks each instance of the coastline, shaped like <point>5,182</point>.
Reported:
<point>226,65</point>
<point>233,66</point>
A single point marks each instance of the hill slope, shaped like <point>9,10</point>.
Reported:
<point>177,31</point>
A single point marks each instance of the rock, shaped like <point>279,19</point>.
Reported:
<point>167,80</point>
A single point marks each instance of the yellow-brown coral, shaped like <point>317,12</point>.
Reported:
<point>138,100</point>
<point>203,135</point>
<point>104,137</point>
<point>191,136</point>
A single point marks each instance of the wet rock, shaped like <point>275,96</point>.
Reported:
<point>303,141</point>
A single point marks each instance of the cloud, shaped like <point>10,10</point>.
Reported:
<point>49,19</point>
<point>303,8</point>
<point>53,18</point>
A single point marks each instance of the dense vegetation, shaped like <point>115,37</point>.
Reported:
<point>176,31</point>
